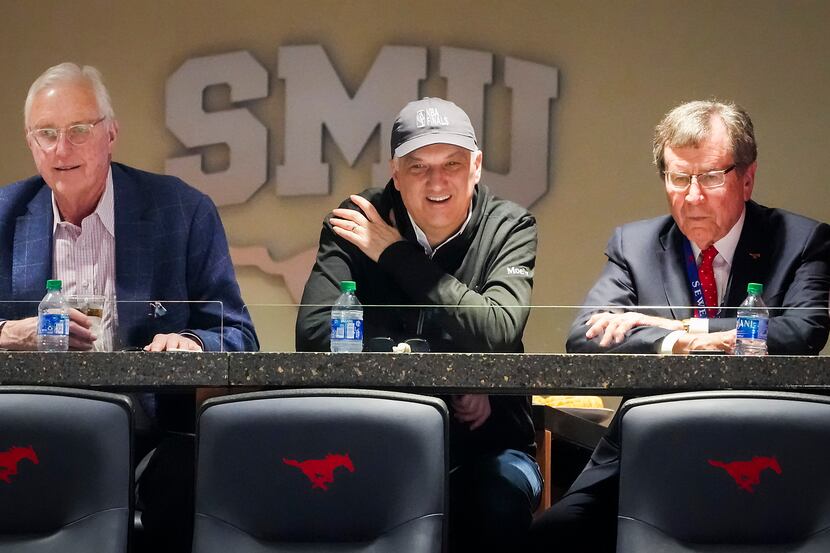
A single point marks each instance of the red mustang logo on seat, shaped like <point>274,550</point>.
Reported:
<point>9,460</point>
<point>747,474</point>
<point>321,471</point>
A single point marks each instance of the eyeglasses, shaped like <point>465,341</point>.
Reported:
<point>707,180</point>
<point>76,134</point>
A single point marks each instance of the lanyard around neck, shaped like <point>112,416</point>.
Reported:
<point>701,312</point>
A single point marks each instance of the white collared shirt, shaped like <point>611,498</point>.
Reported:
<point>722,264</point>
<point>722,267</point>
<point>422,237</point>
<point>83,257</point>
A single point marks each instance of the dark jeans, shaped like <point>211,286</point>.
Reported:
<point>492,501</point>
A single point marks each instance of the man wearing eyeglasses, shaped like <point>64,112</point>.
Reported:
<point>104,228</point>
<point>699,260</point>
<point>696,262</point>
<point>107,229</point>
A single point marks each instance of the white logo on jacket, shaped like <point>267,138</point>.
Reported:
<point>518,271</point>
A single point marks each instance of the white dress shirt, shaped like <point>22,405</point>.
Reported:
<point>722,267</point>
<point>422,237</point>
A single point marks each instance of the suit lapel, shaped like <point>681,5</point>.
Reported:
<point>751,262</point>
<point>32,253</point>
<point>134,266</point>
<point>672,273</point>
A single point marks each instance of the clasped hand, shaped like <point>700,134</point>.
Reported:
<point>368,231</point>
<point>614,326</point>
<point>720,341</point>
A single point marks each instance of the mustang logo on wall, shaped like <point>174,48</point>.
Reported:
<point>318,109</point>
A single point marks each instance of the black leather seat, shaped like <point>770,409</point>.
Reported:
<point>323,471</point>
<point>65,471</point>
<point>725,472</point>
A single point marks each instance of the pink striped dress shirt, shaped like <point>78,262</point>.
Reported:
<point>84,257</point>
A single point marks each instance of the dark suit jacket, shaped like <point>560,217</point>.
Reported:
<point>170,246</point>
<point>787,253</point>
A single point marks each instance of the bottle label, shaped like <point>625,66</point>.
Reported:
<point>53,324</point>
<point>347,329</point>
<point>752,328</point>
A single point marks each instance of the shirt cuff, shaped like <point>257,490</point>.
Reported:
<point>667,345</point>
<point>690,326</point>
<point>698,326</point>
<point>193,336</point>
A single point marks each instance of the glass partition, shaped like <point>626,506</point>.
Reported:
<point>485,328</point>
<point>414,328</point>
<point>133,324</point>
<point>274,324</point>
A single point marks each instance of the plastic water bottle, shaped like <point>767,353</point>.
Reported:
<point>347,321</point>
<point>753,318</point>
<point>53,319</point>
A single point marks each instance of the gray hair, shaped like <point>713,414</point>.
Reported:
<point>689,124</point>
<point>69,72</point>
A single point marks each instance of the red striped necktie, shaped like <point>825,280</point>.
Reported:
<point>707,276</point>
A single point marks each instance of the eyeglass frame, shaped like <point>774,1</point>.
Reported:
<point>64,131</point>
<point>694,178</point>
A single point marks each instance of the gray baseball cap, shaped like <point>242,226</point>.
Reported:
<point>431,121</point>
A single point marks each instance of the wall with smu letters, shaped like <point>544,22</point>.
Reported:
<point>280,109</point>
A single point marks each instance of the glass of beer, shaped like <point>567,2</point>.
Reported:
<point>93,307</point>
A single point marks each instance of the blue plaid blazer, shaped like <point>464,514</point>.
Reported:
<point>169,246</point>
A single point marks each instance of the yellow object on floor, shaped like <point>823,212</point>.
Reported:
<point>588,402</point>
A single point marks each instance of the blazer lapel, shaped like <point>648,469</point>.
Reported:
<point>32,252</point>
<point>673,274</point>
<point>751,262</point>
<point>134,266</point>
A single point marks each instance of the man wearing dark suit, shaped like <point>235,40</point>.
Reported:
<point>706,155</point>
<point>785,252</point>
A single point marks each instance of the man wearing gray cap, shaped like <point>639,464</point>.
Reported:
<point>435,237</point>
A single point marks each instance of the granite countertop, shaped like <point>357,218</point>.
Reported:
<point>536,373</point>
<point>436,372</point>
<point>117,369</point>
